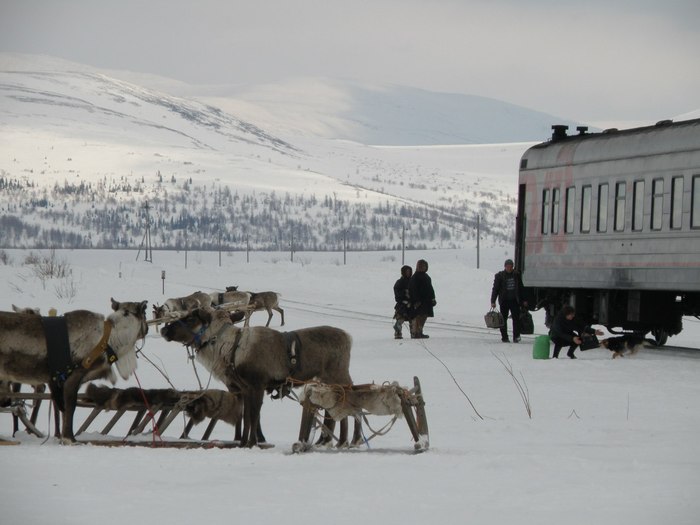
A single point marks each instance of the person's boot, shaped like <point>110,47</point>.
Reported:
<point>571,355</point>
<point>555,355</point>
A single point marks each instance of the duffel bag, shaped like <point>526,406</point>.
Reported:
<point>493,319</point>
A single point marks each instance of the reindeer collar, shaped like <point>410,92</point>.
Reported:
<point>101,347</point>
<point>199,344</point>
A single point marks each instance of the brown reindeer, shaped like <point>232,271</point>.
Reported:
<point>255,359</point>
<point>264,301</point>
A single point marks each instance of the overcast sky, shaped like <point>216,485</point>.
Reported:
<point>586,60</point>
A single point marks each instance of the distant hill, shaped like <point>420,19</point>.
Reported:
<point>83,151</point>
<point>382,114</point>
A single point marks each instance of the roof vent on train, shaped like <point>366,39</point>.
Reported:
<point>666,122</point>
<point>581,129</point>
<point>559,132</point>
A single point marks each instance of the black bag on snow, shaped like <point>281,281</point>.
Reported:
<point>527,325</point>
<point>589,341</point>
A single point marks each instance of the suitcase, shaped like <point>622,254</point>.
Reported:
<point>493,319</point>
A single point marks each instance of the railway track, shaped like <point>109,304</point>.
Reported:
<point>337,312</point>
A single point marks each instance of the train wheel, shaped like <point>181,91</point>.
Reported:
<point>660,337</point>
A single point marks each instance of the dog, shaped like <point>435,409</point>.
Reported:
<point>620,345</point>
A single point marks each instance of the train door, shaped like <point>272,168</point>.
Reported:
<point>520,229</point>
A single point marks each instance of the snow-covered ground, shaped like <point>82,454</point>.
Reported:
<point>609,441</point>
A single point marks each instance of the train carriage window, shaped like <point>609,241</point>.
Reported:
<point>570,202</point>
<point>602,225</point>
<point>676,203</point>
<point>586,209</point>
<point>555,210</point>
<point>545,211</point>
<point>638,206</point>
<point>695,205</point>
<point>657,203</point>
<point>620,200</point>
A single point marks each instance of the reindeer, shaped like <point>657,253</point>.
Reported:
<point>256,302</point>
<point>230,296</point>
<point>255,359</point>
<point>9,386</point>
<point>181,304</point>
<point>264,301</point>
<point>24,356</point>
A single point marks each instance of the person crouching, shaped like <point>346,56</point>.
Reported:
<point>566,330</point>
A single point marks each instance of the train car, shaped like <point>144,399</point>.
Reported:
<point>610,224</point>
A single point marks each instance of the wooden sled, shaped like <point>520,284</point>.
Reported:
<point>358,401</point>
<point>158,411</point>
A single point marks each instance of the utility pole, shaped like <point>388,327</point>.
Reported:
<point>291,246</point>
<point>478,236</point>
<point>345,245</point>
<point>403,246</point>
<point>219,245</point>
<point>146,241</point>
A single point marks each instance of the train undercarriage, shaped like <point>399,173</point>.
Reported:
<point>655,313</point>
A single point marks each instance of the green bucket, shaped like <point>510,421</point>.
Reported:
<point>540,350</point>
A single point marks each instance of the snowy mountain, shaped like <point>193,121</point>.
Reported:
<point>383,114</point>
<point>83,152</point>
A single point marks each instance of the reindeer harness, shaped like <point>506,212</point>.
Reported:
<point>60,361</point>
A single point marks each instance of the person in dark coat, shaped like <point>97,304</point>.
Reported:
<point>422,298</point>
<point>402,308</point>
<point>566,330</point>
<point>507,287</point>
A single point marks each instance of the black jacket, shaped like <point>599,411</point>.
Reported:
<point>401,290</point>
<point>500,288</point>
<point>402,297</point>
<point>564,330</point>
<point>422,294</point>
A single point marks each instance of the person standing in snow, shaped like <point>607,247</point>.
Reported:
<point>402,308</point>
<point>422,298</point>
<point>507,286</point>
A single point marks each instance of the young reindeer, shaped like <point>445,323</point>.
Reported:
<point>254,359</point>
<point>267,301</point>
